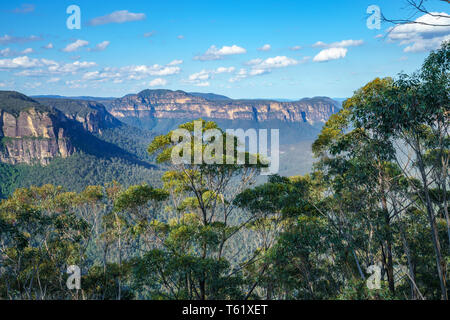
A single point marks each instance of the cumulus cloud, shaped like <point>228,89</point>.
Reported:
<point>224,70</point>
<point>74,46</point>
<point>121,16</point>
<point>71,67</point>
<point>101,75</point>
<point>330,54</point>
<point>12,53</point>
<point>43,67</point>
<point>48,46</point>
<point>27,51</point>
<point>261,66</point>
<point>19,62</point>
<point>200,77</point>
<point>214,53</point>
<point>340,44</point>
<point>265,47</point>
<point>276,62</point>
<point>6,52</point>
<point>158,82</point>
<point>7,39</point>
<point>427,34</point>
<point>175,62</point>
<point>142,71</point>
<point>136,72</point>
<point>101,46</point>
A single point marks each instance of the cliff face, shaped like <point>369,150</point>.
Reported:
<point>91,115</point>
<point>165,104</point>
<point>31,134</point>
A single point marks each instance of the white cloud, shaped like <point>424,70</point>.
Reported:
<point>74,46</point>
<point>117,17</point>
<point>340,44</point>
<point>103,75</point>
<point>260,67</point>
<point>295,48</point>
<point>180,37</point>
<point>276,62</point>
<point>137,72</point>
<point>197,78</point>
<point>6,52</point>
<point>265,47</point>
<point>76,84</point>
<point>254,62</point>
<point>19,62</point>
<point>214,53</point>
<point>12,53</point>
<point>48,46</point>
<point>330,54</point>
<point>53,80</point>
<point>202,75</point>
<point>203,84</point>
<point>101,46</point>
<point>158,82</point>
<point>7,39</point>
<point>422,45</point>
<point>175,62</point>
<point>224,70</point>
<point>44,67</point>
<point>241,74</point>
<point>72,67</point>
<point>319,44</point>
<point>27,51</point>
<point>427,34</point>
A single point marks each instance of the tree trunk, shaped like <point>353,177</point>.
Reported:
<point>440,263</point>
<point>387,231</point>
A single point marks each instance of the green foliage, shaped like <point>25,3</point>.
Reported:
<point>14,103</point>
<point>75,172</point>
<point>377,196</point>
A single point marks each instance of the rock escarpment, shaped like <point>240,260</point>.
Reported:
<point>30,132</point>
<point>91,115</point>
<point>166,104</point>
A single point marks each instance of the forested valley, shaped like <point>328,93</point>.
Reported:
<point>374,207</point>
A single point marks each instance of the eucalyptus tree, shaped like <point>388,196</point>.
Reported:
<point>194,259</point>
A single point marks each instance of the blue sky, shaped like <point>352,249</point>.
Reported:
<point>242,49</point>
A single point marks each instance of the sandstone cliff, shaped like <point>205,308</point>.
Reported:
<point>166,104</point>
<point>91,115</point>
<point>31,132</point>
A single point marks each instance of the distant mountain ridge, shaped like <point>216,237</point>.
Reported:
<point>44,127</point>
<point>162,110</point>
<point>167,104</point>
